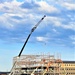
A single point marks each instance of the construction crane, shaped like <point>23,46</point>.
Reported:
<point>32,30</point>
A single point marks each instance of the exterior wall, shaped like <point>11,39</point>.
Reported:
<point>4,73</point>
<point>61,67</point>
<point>67,68</point>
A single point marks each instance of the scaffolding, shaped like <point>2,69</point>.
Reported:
<point>32,30</point>
<point>36,65</point>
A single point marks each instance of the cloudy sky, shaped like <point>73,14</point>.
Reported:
<point>55,34</point>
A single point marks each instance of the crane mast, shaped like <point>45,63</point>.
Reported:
<point>32,30</point>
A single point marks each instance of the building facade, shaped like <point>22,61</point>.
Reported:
<point>42,65</point>
<point>4,73</point>
<point>68,68</point>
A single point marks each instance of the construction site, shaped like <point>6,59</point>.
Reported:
<point>43,64</point>
<point>38,65</point>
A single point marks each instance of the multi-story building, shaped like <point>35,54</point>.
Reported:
<point>4,73</point>
<point>42,65</point>
<point>68,68</point>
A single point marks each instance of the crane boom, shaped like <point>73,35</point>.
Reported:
<point>32,30</point>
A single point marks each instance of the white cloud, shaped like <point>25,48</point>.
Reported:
<point>11,14</point>
<point>69,6</point>
<point>42,39</point>
<point>9,10</point>
<point>9,6</point>
<point>27,15</point>
<point>71,26</point>
<point>15,10</point>
<point>45,7</point>
<point>55,20</point>
<point>4,21</point>
<point>58,23</point>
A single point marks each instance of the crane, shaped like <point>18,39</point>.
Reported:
<point>32,30</point>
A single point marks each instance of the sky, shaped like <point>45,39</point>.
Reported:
<point>55,35</point>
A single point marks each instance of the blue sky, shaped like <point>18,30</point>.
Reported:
<point>55,34</point>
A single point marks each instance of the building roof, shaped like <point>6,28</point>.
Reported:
<point>68,61</point>
<point>4,72</point>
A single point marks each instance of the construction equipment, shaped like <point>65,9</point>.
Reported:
<point>32,30</point>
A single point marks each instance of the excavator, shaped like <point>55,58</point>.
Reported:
<point>32,30</point>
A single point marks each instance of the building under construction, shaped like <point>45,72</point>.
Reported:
<point>38,65</point>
